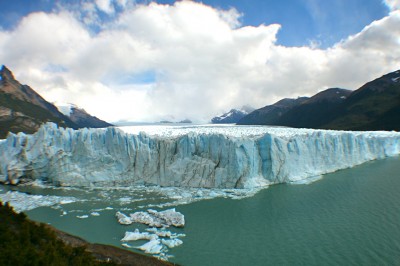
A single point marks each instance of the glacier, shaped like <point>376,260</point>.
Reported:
<point>186,156</point>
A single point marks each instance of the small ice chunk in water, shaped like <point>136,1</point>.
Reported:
<point>161,233</point>
<point>152,247</point>
<point>95,214</point>
<point>171,243</point>
<point>82,216</point>
<point>136,235</point>
<point>123,219</point>
<point>66,201</point>
<point>126,245</point>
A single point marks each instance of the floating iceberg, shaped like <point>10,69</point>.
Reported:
<point>155,245</point>
<point>204,157</point>
<point>161,233</point>
<point>171,243</point>
<point>123,219</point>
<point>153,218</point>
<point>169,217</point>
<point>146,218</point>
<point>136,235</point>
<point>152,247</point>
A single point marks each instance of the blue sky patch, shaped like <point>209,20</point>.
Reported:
<point>303,21</point>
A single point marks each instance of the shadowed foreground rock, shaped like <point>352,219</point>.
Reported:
<point>24,242</point>
<point>107,253</point>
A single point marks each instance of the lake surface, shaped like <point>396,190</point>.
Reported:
<point>351,217</point>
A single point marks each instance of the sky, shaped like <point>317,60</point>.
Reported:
<point>146,61</point>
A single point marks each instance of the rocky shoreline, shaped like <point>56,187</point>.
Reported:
<point>106,253</point>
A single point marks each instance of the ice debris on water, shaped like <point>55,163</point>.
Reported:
<point>82,216</point>
<point>172,242</point>
<point>153,246</point>
<point>126,245</point>
<point>159,240</point>
<point>24,202</point>
<point>153,218</point>
<point>136,235</point>
<point>123,219</point>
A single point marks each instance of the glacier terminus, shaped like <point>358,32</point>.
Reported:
<point>186,156</point>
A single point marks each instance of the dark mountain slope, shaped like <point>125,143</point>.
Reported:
<point>22,109</point>
<point>270,114</point>
<point>80,117</point>
<point>314,112</point>
<point>374,106</point>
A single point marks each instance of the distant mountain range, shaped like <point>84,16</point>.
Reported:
<point>233,116</point>
<point>374,106</point>
<point>24,110</point>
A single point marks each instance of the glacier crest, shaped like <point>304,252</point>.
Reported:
<point>211,159</point>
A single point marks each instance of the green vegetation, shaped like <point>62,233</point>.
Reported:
<point>23,242</point>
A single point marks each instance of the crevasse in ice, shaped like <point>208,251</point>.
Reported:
<point>208,157</point>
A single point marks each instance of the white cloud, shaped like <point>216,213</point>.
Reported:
<point>186,60</point>
<point>392,4</point>
<point>122,3</point>
<point>106,6</point>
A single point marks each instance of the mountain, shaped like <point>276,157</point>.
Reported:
<point>185,121</point>
<point>24,110</point>
<point>374,106</point>
<point>315,111</point>
<point>81,118</point>
<point>233,116</point>
<point>270,114</point>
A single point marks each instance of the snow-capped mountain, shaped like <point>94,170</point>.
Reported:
<point>80,117</point>
<point>233,116</point>
<point>270,114</point>
<point>22,109</point>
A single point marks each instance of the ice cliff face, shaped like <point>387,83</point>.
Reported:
<point>210,157</point>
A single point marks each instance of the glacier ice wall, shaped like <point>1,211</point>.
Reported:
<point>211,159</point>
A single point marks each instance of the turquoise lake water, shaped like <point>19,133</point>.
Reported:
<point>351,217</point>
